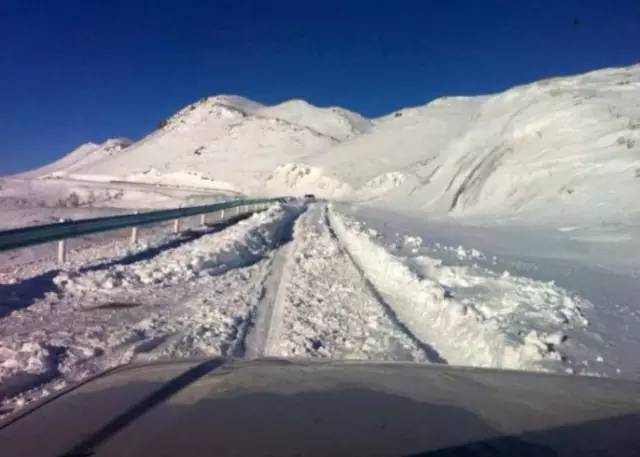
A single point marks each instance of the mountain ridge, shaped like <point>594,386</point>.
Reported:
<point>567,142</point>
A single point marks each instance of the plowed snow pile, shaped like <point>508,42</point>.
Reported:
<point>470,315</point>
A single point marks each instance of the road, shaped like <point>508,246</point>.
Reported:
<point>296,281</point>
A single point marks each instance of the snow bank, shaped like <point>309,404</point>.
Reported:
<point>24,365</point>
<point>471,316</point>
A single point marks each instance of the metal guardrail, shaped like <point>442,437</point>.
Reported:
<point>38,234</point>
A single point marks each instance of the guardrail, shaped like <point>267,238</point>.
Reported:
<point>39,234</point>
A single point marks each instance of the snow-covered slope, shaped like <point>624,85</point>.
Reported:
<point>83,156</point>
<point>567,146</point>
<point>232,141</point>
<point>400,141</point>
<point>335,122</point>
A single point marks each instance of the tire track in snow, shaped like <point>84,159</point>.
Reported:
<point>266,330</point>
<point>317,304</point>
<point>262,330</point>
<point>473,316</point>
<point>432,354</point>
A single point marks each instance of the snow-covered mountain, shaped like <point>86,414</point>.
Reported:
<point>81,157</point>
<point>568,146</point>
<point>232,142</point>
<point>335,122</point>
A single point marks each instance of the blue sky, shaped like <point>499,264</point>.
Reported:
<point>75,71</point>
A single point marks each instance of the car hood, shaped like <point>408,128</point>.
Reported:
<point>295,407</point>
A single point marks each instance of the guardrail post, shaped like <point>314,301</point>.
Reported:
<point>221,215</point>
<point>134,233</point>
<point>62,249</point>
<point>203,220</point>
<point>176,226</point>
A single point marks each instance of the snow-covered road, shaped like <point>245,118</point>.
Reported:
<point>297,280</point>
<point>322,306</point>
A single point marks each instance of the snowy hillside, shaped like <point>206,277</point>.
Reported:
<point>83,156</point>
<point>565,146</point>
<point>335,122</point>
<point>559,147</point>
<point>232,142</point>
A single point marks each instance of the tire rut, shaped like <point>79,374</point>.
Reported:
<point>432,354</point>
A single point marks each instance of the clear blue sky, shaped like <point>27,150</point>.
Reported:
<point>74,71</point>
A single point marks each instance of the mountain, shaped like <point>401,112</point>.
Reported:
<point>83,156</point>
<point>232,141</point>
<point>562,147</point>
<point>335,122</point>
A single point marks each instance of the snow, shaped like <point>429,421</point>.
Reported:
<point>341,288</point>
<point>242,245</point>
<point>498,320</point>
<point>82,156</point>
<point>335,122</point>
<point>300,179</point>
<point>180,179</point>
<point>596,272</point>
<point>554,150</point>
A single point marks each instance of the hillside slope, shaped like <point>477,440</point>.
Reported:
<point>81,157</point>
<point>231,141</point>
<point>563,147</point>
